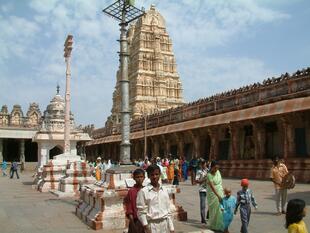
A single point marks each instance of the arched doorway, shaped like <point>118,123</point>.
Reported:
<point>57,150</point>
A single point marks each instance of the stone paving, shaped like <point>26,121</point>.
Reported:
<point>24,210</point>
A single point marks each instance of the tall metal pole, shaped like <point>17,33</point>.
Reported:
<point>124,83</point>
<point>67,55</point>
<point>145,139</point>
<point>125,12</point>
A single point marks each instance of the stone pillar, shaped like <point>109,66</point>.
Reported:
<point>167,145</point>
<point>180,144</point>
<point>214,143</point>
<point>22,151</point>
<point>155,149</point>
<point>1,149</point>
<point>196,142</point>
<point>259,134</point>
<point>288,137</point>
<point>235,145</point>
<point>82,151</point>
<point>181,148</point>
<point>43,154</point>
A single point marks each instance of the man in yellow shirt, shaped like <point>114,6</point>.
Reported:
<point>277,173</point>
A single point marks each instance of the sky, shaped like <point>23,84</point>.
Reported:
<point>218,44</point>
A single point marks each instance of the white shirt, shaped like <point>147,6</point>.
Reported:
<point>200,176</point>
<point>154,205</point>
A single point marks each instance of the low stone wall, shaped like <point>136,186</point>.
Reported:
<point>260,168</point>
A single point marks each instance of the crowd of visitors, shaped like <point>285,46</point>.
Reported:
<point>217,203</point>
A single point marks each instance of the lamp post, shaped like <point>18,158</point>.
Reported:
<point>67,54</point>
<point>145,138</point>
<point>124,12</point>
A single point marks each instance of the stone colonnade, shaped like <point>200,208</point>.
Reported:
<point>238,145</point>
<point>21,151</point>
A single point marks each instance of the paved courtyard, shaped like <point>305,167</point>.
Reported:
<point>24,210</point>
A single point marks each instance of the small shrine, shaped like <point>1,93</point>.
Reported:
<point>57,170</point>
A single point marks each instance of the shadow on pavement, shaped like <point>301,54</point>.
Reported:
<point>263,213</point>
<point>195,223</point>
<point>66,201</point>
<point>27,183</point>
<point>301,195</point>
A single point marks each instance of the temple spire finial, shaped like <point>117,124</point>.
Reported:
<point>58,87</point>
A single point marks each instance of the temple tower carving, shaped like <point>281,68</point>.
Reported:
<point>154,82</point>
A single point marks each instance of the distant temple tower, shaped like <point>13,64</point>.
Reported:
<point>154,82</point>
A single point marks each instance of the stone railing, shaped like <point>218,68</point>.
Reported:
<point>271,90</point>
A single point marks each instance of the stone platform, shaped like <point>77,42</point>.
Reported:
<point>101,206</point>
<point>63,176</point>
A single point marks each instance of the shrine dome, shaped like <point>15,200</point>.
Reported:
<point>54,115</point>
<point>56,108</point>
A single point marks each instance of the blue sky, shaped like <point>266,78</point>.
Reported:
<point>219,45</point>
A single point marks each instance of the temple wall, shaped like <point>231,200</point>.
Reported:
<point>244,148</point>
<point>260,169</point>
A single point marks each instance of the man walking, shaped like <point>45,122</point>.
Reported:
<point>14,170</point>
<point>278,172</point>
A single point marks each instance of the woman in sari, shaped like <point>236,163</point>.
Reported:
<point>214,197</point>
<point>98,169</point>
<point>170,172</point>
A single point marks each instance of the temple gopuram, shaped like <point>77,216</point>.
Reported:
<point>154,84</point>
<point>242,128</point>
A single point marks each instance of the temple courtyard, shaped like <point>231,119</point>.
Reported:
<point>25,210</point>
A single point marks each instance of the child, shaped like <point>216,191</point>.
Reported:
<point>4,167</point>
<point>228,205</point>
<point>135,225</point>
<point>154,215</point>
<point>244,198</point>
<point>295,211</point>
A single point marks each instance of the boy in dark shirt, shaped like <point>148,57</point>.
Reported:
<point>245,198</point>
<point>135,225</point>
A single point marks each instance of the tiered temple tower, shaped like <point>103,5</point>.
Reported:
<point>154,82</point>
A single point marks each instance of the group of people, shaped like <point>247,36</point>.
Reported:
<point>173,170</point>
<point>143,209</point>
<point>13,169</point>
<point>147,214</point>
<point>148,208</point>
<point>99,168</point>
<point>222,205</point>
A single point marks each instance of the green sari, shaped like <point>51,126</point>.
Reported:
<point>216,221</point>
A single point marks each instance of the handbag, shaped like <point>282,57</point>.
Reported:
<point>288,181</point>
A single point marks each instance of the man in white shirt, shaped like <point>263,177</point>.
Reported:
<point>202,181</point>
<point>153,205</point>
